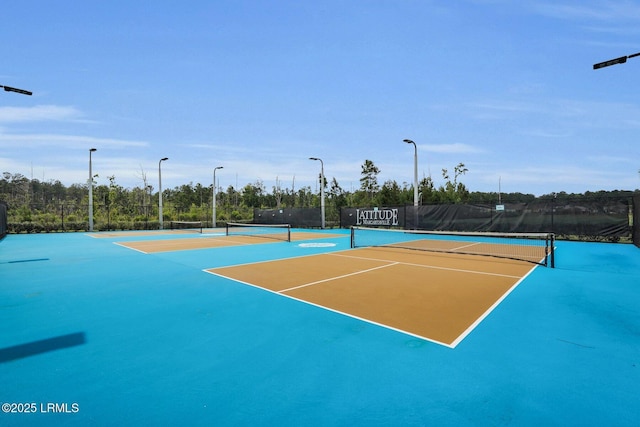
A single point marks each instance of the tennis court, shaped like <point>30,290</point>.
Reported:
<point>176,241</point>
<point>96,332</point>
<point>433,297</point>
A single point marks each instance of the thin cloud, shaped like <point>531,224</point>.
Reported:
<point>608,11</point>
<point>615,30</point>
<point>501,109</point>
<point>68,141</point>
<point>613,160</point>
<point>547,133</point>
<point>572,179</point>
<point>39,113</point>
<point>456,148</point>
<point>581,114</point>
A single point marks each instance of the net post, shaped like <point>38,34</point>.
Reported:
<point>353,237</point>
<point>553,251</point>
<point>288,232</point>
<point>226,228</point>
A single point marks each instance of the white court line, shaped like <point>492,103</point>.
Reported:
<point>451,345</point>
<point>466,246</point>
<point>129,247</point>
<point>338,277</point>
<point>260,262</point>
<point>479,320</point>
<point>460,270</point>
<point>353,316</point>
<point>163,243</point>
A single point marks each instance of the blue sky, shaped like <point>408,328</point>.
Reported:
<point>258,87</point>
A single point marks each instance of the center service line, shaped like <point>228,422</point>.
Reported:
<point>338,277</point>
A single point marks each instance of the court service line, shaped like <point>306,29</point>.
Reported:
<point>459,270</point>
<point>338,277</point>
<point>465,246</point>
<point>261,262</point>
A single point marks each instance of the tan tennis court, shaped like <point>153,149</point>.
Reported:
<point>116,234</point>
<point>218,240</point>
<point>438,297</point>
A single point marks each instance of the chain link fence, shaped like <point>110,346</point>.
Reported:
<point>3,220</point>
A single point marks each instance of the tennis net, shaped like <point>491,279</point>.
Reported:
<point>267,231</point>
<point>537,248</point>
<point>193,226</point>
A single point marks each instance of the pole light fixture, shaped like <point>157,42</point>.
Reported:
<point>16,90</point>
<point>615,61</point>
<point>213,222</point>
<point>321,189</point>
<point>415,171</point>
<point>160,190</point>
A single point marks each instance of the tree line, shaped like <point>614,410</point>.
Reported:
<point>44,206</point>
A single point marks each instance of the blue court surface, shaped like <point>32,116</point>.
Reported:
<point>96,334</point>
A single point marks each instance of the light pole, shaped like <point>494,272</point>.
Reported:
<point>415,171</point>
<point>213,222</point>
<point>91,150</point>
<point>321,189</point>
<point>160,190</point>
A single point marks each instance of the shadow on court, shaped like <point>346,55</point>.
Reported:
<point>33,348</point>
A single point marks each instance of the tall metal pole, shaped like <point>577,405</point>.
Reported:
<point>160,191</point>
<point>91,150</point>
<point>415,171</point>
<point>321,189</point>
<point>213,222</point>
